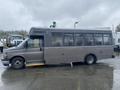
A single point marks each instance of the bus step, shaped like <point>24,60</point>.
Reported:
<point>34,64</point>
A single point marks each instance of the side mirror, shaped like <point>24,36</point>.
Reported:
<point>26,44</point>
<point>40,49</point>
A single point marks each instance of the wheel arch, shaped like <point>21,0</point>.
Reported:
<point>17,56</point>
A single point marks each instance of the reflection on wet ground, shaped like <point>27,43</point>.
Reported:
<point>80,77</point>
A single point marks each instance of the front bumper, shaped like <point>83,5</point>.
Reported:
<point>5,62</point>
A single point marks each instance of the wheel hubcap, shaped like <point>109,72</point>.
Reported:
<point>17,62</point>
<point>90,59</point>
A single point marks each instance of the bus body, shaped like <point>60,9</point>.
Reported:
<point>56,46</point>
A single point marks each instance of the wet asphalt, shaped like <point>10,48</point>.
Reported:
<point>105,75</point>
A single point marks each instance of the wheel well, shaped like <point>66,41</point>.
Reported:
<point>92,55</point>
<point>15,57</point>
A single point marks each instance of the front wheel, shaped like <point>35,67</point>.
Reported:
<point>17,63</point>
<point>90,59</point>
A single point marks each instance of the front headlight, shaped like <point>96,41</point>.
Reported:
<point>5,55</point>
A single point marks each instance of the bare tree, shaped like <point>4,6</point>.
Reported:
<point>23,33</point>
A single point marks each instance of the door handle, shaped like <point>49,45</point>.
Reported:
<point>40,49</point>
<point>62,53</point>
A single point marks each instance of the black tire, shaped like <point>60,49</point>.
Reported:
<point>17,63</point>
<point>90,59</point>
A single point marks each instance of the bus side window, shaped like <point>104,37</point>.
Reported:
<point>89,40</point>
<point>107,39</point>
<point>98,39</point>
<point>68,40</point>
<point>79,40</point>
<point>57,39</point>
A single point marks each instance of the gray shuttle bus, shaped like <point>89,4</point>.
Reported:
<point>58,46</point>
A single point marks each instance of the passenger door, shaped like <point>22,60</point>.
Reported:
<point>34,51</point>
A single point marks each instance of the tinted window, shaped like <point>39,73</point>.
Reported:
<point>57,39</point>
<point>89,41</point>
<point>68,40</point>
<point>98,39</point>
<point>33,43</point>
<point>79,40</point>
<point>107,39</point>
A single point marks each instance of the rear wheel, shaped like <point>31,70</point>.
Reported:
<point>90,59</point>
<point>17,63</point>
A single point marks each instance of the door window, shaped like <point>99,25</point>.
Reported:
<point>33,43</point>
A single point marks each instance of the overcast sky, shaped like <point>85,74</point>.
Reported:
<point>24,14</point>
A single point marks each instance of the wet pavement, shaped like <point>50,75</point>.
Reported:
<point>103,76</point>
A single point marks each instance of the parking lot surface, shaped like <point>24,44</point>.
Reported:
<point>102,76</point>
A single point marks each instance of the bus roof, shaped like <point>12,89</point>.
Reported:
<point>15,35</point>
<point>39,31</point>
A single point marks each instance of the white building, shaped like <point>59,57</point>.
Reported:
<point>117,38</point>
